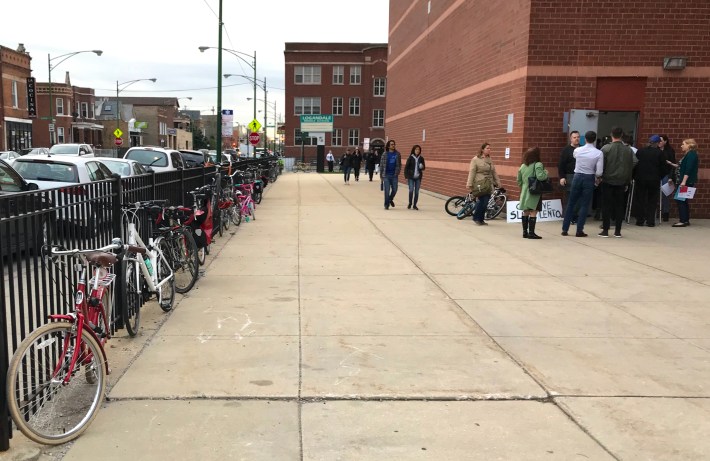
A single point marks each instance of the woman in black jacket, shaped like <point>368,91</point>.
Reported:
<point>357,163</point>
<point>370,161</point>
<point>345,165</point>
<point>413,170</point>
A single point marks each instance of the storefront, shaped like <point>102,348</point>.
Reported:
<point>18,134</point>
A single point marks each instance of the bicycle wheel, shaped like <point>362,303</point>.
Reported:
<point>236,215</point>
<point>202,255</point>
<point>218,222</point>
<point>44,408</point>
<point>252,210</point>
<point>257,197</point>
<point>166,292</point>
<point>226,219</point>
<point>495,206</point>
<point>466,210</point>
<point>454,204</point>
<point>131,309</point>
<point>184,262</point>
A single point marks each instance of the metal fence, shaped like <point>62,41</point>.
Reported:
<point>79,216</point>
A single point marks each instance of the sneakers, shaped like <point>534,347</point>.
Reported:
<point>604,234</point>
<point>580,234</point>
<point>617,235</point>
<point>681,224</point>
<point>564,233</point>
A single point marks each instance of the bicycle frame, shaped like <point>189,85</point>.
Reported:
<point>154,254</point>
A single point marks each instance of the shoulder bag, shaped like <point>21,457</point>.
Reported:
<point>536,186</point>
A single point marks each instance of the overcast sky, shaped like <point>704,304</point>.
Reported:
<point>160,38</point>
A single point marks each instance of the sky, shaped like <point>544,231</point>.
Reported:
<point>160,39</point>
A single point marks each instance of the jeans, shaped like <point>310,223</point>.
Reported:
<point>683,210</point>
<point>330,166</point>
<point>346,173</point>
<point>613,203</point>
<point>414,184</point>
<point>481,204</point>
<point>580,197</point>
<point>390,189</point>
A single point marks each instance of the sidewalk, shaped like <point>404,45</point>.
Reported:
<point>332,329</point>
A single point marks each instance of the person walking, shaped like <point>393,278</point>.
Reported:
<point>331,160</point>
<point>669,153</point>
<point>413,173</point>
<point>530,203</point>
<point>482,178</point>
<point>390,166</point>
<point>357,163</point>
<point>345,165</point>
<point>588,169</point>
<point>618,170</point>
<point>648,172</point>
<point>687,175</point>
<point>370,161</point>
<point>565,169</point>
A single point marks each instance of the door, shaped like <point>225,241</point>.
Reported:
<point>583,120</point>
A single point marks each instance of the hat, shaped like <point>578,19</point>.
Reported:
<point>654,138</point>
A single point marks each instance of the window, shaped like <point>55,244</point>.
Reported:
<point>355,106</point>
<point>306,106</point>
<point>309,141</point>
<point>355,75</point>
<point>379,87</point>
<point>378,118</point>
<point>15,96</point>
<point>353,137</point>
<point>60,106</point>
<point>78,108</point>
<point>337,106</point>
<point>91,111</point>
<point>308,75</point>
<point>337,137</point>
<point>338,75</point>
<point>60,134</point>
<point>84,110</point>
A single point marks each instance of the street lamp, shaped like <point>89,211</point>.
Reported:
<point>51,67</point>
<point>238,55</point>
<point>122,86</point>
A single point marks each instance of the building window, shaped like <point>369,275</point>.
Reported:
<point>309,141</point>
<point>91,111</point>
<point>338,75</point>
<point>338,106</point>
<point>308,75</point>
<point>355,106</point>
<point>379,87</point>
<point>306,106</point>
<point>355,75</point>
<point>60,134</point>
<point>378,118</point>
<point>337,137</point>
<point>84,110</point>
<point>353,137</point>
<point>60,106</point>
<point>15,96</point>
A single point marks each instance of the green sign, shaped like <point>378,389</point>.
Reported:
<point>317,123</point>
<point>141,125</point>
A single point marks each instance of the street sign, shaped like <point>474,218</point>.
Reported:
<point>254,138</point>
<point>51,127</point>
<point>254,125</point>
<point>118,141</point>
<point>117,132</point>
<point>321,123</point>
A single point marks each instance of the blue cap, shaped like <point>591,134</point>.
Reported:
<point>654,138</point>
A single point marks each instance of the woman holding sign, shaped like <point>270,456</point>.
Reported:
<point>530,203</point>
<point>687,175</point>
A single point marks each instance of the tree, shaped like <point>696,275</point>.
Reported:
<point>199,141</point>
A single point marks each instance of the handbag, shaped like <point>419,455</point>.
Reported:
<point>536,186</point>
<point>482,187</point>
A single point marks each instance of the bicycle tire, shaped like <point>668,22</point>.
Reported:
<point>454,204</point>
<point>185,261</point>
<point>495,206</point>
<point>166,293</point>
<point>202,255</point>
<point>226,220</point>
<point>131,309</point>
<point>256,196</point>
<point>54,413</point>
<point>236,215</point>
<point>466,211</point>
<point>252,211</point>
<point>218,219</point>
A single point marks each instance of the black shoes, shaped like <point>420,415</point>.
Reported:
<point>681,224</point>
<point>392,203</point>
<point>580,234</point>
<point>415,207</point>
<point>409,206</point>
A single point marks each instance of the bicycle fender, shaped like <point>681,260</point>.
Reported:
<point>101,346</point>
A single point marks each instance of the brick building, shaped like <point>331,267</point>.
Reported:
<point>519,73</point>
<point>348,80</point>
<point>15,121</point>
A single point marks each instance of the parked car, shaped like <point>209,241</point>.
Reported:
<point>193,158</point>
<point>28,233</point>
<point>83,150</point>
<point>158,158</point>
<point>37,150</point>
<point>225,160</point>
<point>67,172</point>
<point>8,155</point>
<point>125,167</point>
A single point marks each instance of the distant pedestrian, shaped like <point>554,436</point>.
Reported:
<point>530,203</point>
<point>346,165</point>
<point>482,178</point>
<point>686,175</point>
<point>390,164</point>
<point>669,153</point>
<point>648,172</point>
<point>588,170</point>
<point>618,170</point>
<point>357,163</point>
<point>370,162</point>
<point>413,172</point>
<point>331,160</point>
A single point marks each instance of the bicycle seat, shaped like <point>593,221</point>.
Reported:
<point>101,258</point>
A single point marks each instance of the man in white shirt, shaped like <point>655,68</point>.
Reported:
<point>330,159</point>
<point>589,166</point>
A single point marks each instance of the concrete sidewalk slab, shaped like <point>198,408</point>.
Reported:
<point>525,287</point>
<point>685,320</point>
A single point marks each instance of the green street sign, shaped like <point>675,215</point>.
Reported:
<point>317,123</point>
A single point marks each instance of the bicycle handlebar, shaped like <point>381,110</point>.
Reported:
<point>145,204</point>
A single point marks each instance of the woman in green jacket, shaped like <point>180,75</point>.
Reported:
<point>687,175</point>
<point>530,203</point>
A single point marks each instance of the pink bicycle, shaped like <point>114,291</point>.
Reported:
<point>247,205</point>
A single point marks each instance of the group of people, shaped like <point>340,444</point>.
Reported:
<point>617,169</point>
<point>351,162</point>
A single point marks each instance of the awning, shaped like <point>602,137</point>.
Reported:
<point>87,126</point>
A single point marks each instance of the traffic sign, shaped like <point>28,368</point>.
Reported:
<point>254,125</point>
<point>117,132</point>
<point>254,138</point>
<point>118,141</point>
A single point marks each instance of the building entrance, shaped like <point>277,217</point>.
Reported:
<point>601,122</point>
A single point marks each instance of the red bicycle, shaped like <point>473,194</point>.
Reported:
<point>51,401</point>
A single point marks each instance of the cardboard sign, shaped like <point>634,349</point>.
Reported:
<point>551,211</point>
